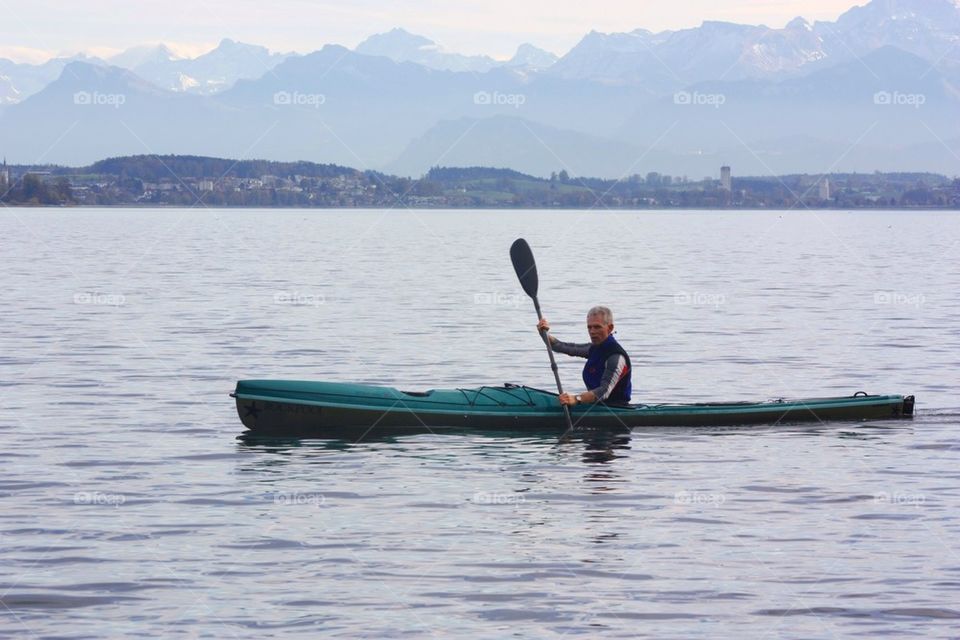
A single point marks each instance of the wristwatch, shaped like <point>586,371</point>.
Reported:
<point>578,398</point>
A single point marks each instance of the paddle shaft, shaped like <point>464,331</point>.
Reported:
<point>553,363</point>
<point>526,267</point>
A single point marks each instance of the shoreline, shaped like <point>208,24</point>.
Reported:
<point>420,208</point>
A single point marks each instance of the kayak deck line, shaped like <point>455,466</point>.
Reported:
<point>736,407</point>
<point>315,408</point>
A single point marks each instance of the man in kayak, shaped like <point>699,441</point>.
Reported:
<point>607,372</point>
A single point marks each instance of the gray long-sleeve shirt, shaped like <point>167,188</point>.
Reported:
<point>613,370</point>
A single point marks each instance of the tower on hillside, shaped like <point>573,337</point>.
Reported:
<point>825,189</point>
<point>725,180</point>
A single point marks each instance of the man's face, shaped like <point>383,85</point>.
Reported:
<point>597,329</point>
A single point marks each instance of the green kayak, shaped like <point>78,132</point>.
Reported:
<point>318,409</point>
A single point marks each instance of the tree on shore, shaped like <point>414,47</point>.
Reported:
<point>32,189</point>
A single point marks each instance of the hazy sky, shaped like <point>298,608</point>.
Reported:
<point>36,29</point>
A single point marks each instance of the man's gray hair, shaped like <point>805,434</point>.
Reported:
<point>604,312</point>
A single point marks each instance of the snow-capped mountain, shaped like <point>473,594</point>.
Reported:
<point>715,50</point>
<point>209,73</point>
<point>531,57</point>
<point>402,46</point>
<point>23,80</point>
<point>141,55</point>
<point>926,28</point>
<point>8,92</point>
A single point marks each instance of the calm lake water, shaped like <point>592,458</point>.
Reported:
<point>128,506</point>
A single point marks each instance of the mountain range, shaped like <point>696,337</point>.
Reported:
<point>210,73</point>
<point>878,89</point>
<point>401,46</point>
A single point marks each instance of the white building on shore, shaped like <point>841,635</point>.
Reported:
<point>825,189</point>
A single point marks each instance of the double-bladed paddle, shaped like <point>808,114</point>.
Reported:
<point>526,268</point>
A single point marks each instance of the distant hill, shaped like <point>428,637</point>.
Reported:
<point>530,147</point>
<point>156,168</point>
<point>457,174</point>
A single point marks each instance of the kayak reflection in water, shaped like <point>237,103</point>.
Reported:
<point>607,371</point>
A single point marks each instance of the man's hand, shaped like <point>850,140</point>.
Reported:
<point>544,327</point>
<point>568,399</point>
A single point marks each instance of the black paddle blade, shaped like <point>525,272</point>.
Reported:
<point>525,266</point>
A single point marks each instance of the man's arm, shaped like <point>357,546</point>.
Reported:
<point>570,348</point>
